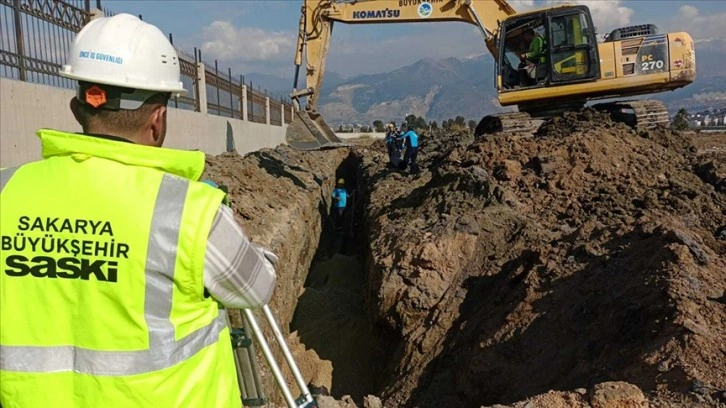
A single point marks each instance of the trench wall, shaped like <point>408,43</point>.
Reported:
<point>26,107</point>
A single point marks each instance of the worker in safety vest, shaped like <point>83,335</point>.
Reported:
<point>115,257</point>
<point>534,59</point>
<point>537,51</point>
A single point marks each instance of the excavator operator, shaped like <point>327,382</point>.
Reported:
<point>534,59</point>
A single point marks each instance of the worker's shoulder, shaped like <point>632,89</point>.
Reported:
<point>12,168</point>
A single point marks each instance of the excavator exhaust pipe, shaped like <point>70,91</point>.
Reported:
<point>308,131</point>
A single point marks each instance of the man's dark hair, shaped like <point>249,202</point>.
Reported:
<point>121,120</point>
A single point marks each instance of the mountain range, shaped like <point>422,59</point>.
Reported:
<point>446,88</point>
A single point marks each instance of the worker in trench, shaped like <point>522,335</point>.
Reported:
<point>340,201</point>
<point>115,257</point>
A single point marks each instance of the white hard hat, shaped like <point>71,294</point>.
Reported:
<point>125,52</point>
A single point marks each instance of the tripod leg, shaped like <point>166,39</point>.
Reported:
<point>270,358</point>
<point>246,366</point>
<point>254,368</point>
<point>288,355</point>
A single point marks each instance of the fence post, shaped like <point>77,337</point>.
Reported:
<point>282,114</point>
<point>231,93</point>
<point>201,87</point>
<point>267,110</point>
<point>243,101</point>
<point>252,105</point>
<point>216,79</point>
<point>19,39</point>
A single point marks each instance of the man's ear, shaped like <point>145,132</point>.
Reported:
<point>74,104</point>
<point>158,124</point>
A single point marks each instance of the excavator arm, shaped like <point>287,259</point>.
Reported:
<point>308,129</point>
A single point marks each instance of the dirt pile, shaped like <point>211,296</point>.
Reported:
<point>580,267</point>
<point>514,266</point>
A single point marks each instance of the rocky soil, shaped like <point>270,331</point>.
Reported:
<point>585,266</point>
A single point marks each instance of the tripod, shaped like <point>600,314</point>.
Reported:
<point>248,368</point>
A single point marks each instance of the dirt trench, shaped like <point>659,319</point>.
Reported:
<point>332,317</point>
<point>588,260</point>
<point>282,198</point>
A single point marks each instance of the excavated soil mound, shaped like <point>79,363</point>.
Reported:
<point>584,266</point>
<point>512,266</point>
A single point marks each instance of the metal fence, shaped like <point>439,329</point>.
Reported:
<point>37,35</point>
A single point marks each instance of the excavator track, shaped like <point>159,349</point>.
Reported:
<point>638,114</point>
<point>645,114</point>
<point>519,123</point>
<point>650,113</point>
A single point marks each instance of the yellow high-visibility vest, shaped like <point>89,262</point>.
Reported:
<point>101,293</point>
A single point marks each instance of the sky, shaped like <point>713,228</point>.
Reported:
<point>259,35</point>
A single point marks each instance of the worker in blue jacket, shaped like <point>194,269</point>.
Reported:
<point>410,141</point>
<point>340,198</point>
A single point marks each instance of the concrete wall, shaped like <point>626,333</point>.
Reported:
<point>27,107</point>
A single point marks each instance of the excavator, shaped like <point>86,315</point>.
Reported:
<point>574,69</point>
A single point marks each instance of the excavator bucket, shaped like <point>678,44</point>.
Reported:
<point>308,131</point>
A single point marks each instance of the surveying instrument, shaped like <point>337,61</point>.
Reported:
<point>248,372</point>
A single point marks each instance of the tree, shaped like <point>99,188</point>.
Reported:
<point>458,123</point>
<point>411,120</point>
<point>680,121</point>
<point>378,125</point>
<point>472,124</point>
<point>420,123</point>
<point>433,125</point>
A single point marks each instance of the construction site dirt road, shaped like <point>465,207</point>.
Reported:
<point>582,267</point>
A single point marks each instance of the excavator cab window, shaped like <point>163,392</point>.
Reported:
<point>573,46</point>
<point>518,66</point>
<point>570,49</point>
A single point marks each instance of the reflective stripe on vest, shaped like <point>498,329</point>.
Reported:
<point>164,351</point>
